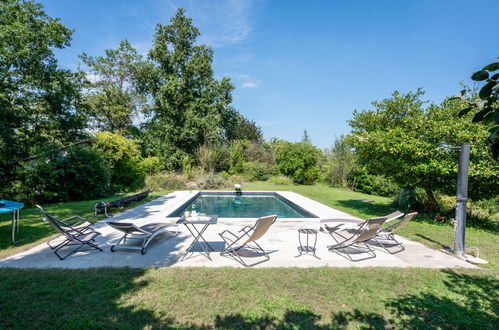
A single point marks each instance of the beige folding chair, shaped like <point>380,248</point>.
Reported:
<point>349,242</point>
<point>253,233</point>
<point>146,233</point>
<point>386,234</point>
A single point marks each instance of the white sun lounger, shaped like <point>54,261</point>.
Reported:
<point>146,232</point>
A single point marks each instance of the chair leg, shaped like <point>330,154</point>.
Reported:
<point>336,248</point>
<point>231,251</point>
<point>390,238</point>
<point>79,244</point>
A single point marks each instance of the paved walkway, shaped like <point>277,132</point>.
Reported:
<point>281,241</point>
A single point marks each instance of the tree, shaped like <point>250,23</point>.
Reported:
<point>299,161</point>
<point>245,129</point>
<point>341,162</point>
<point>413,144</point>
<point>113,97</point>
<point>306,137</point>
<point>40,104</point>
<point>123,158</point>
<point>486,104</point>
<point>190,107</point>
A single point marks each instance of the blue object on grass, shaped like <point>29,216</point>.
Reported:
<point>12,207</point>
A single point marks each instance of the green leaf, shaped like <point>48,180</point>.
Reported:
<point>492,67</point>
<point>489,116</point>
<point>462,92</point>
<point>455,98</point>
<point>486,90</point>
<point>495,76</point>
<point>480,75</point>
<point>465,111</point>
<point>480,115</point>
<point>494,129</point>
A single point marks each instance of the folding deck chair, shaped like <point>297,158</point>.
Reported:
<point>252,233</point>
<point>386,234</point>
<point>78,233</point>
<point>147,233</point>
<point>354,241</point>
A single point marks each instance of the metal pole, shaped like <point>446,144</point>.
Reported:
<point>461,199</point>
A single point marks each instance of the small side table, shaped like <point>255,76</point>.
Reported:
<point>198,234</point>
<point>305,249</point>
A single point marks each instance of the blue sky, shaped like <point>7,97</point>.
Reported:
<point>307,65</point>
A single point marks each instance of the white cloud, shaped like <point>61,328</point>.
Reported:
<point>222,23</point>
<point>245,80</point>
<point>250,84</point>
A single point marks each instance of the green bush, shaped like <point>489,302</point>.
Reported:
<point>187,166</point>
<point>224,175</point>
<point>340,163</point>
<point>212,181</point>
<point>213,158</point>
<point>123,158</point>
<point>484,213</point>
<point>237,178</point>
<point>237,156</point>
<point>299,161</point>
<point>257,171</point>
<point>78,173</point>
<point>165,182</point>
<point>281,180</point>
<point>361,180</point>
<point>151,165</point>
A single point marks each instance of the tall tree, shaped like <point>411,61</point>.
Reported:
<point>413,144</point>
<point>113,97</point>
<point>190,107</point>
<point>306,138</point>
<point>245,129</point>
<point>40,104</point>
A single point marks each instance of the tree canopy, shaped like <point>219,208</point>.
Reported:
<point>113,97</point>
<point>414,143</point>
<point>40,104</point>
<point>190,107</point>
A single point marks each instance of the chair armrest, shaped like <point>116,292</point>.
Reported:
<point>243,228</point>
<point>80,219</point>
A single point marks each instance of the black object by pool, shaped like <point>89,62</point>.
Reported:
<point>102,207</point>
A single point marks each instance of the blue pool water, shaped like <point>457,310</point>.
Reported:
<point>243,206</point>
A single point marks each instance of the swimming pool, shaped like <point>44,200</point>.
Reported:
<point>245,205</point>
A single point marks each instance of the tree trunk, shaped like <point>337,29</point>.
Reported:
<point>432,201</point>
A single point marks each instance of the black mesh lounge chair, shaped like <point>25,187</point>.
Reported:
<point>146,233</point>
<point>252,233</point>
<point>78,234</point>
<point>386,238</point>
<point>350,242</point>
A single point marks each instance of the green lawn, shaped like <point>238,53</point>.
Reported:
<point>321,298</point>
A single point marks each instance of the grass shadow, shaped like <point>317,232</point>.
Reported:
<point>75,299</point>
<point>367,208</point>
<point>426,238</point>
<point>478,309</point>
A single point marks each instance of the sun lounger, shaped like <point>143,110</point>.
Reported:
<point>252,234</point>
<point>78,234</point>
<point>147,233</point>
<point>386,238</point>
<point>349,242</point>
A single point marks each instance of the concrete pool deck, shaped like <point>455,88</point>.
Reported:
<point>281,241</point>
